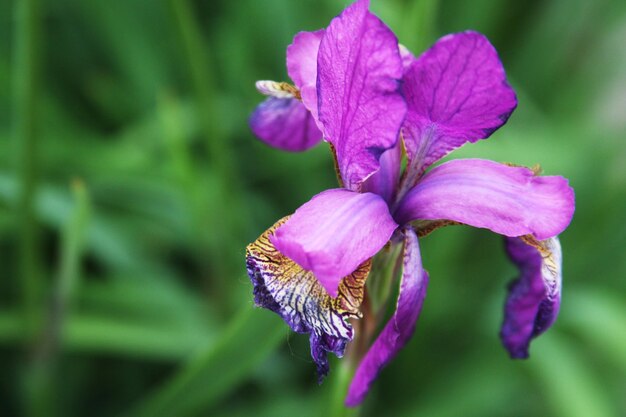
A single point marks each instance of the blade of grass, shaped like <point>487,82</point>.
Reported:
<point>568,381</point>
<point>25,116</point>
<point>598,317</point>
<point>217,369</point>
<point>42,373</point>
<point>94,335</point>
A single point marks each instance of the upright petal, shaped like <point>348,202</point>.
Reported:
<point>335,232</point>
<point>456,92</point>
<point>360,107</point>
<point>285,123</point>
<point>302,66</point>
<point>535,296</point>
<point>508,200</point>
<point>400,327</point>
<point>384,182</point>
<point>282,286</point>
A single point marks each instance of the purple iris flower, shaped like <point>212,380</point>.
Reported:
<point>376,104</point>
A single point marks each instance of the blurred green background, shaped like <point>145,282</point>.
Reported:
<point>130,185</point>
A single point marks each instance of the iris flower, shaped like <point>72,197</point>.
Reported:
<point>375,103</point>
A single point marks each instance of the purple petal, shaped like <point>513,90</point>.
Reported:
<point>302,66</point>
<point>285,123</point>
<point>508,200</point>
<point>283,287</point>
<point>360,107</point>
<point>534,298</point>
<point>333,233</point>
<point>456,92</point>
<point>384,182</point>
<point>400,327</point>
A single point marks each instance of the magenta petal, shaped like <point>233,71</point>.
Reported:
<point>384,182</point>
<point>302,66</point>
<point>360,107</point>
<point>335,232</point>
<point>456,92</point>
<point>508,200</point>
<point>534,298</point>
<point>400,327</point>
<point>285,123</point>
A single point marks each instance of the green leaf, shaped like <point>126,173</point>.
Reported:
<point>568,380</point>
<point>217,368</point>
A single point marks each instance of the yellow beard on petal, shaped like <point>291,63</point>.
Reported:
<point>300,295</point>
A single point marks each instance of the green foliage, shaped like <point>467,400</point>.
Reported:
<point>130,185</point>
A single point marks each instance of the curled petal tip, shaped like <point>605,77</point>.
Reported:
<point>534,297</point>
<point>284,123</point>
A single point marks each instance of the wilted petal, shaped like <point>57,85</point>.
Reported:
<point>360,107</point>
<point>456,92</point>
<point>286,124</point>
<point>508,200</point>
<point>534,298</point>
<point>282,286</point>
<point>302,66</point>
<point>335,232</point>
<point>400,327</point>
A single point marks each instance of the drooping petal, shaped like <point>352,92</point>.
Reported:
<point>360,107</point>
<point>508,200</point>
<point>285,123</point>
<point>400,327</point>
<point>384,182</point>
<point>456,93</point>
<point>280,285</point>
<point>302,66</point>
<point>335,232</point>
<point>535,296</point>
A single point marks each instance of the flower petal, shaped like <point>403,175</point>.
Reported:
<point>282,286</point>
<point>360,106</point>
<point>508,200</point>
<point>384,182</point>
<point>302,66</point>
<point>400,327</point>
<point>456,92</point>
<point>534,298</point>
<point>286,124</point>
<point>335,232</point>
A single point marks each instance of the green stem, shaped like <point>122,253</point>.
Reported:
<point>42,371</point>
<point>344,371</point>
<point>25,121</point>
